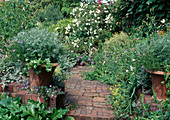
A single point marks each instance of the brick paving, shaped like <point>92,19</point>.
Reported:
<point>88,96</point>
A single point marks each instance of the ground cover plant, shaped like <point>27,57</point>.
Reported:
<point>13,109</point>
<point>114,38</point>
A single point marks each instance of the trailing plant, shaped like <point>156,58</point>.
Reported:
<point>14,17</point>
<point>13,109</point>
<point>37,47</point>
<point>11,72</point>
<point>145,110</point>
<point>55,89</point>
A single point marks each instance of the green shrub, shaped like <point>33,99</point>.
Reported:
<point>14,17</point>
<point>60,27</point>
<point>49,15</point>
<point>134,14</point>
<point>36,47</point>
<point>121,39</point>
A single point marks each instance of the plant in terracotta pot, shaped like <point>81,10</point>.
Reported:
<point>41,51</point>
<point>155,53</point>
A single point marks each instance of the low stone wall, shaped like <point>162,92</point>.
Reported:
<point>12,90</point>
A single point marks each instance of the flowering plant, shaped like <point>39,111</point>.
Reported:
<point>37,47</point>
<point>92,24</point>
<point>155,53</point>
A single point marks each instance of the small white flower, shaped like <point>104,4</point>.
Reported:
<point>75,20</point>
<point>95,32</point>
<point>85,43</point>
<point>163,21</point>
<point>56,28</point>
<point>81,4</point>
<point>127,70</point>
<point>132,68</point>
<point>95,15</point>
<point>97,36</point>
<point>90,44</point>
<point>133,60</point>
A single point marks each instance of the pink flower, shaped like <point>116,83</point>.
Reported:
<point>136,38</point>
<point>95,49</point>
<point>132,49</point>
<point>99,2</point>
<point>14,50</point>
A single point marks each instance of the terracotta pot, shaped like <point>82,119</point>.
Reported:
<point>159,88</point>
<point>41,79</point>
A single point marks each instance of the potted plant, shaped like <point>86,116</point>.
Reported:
<point>156,60</point>
<point>39,50</point>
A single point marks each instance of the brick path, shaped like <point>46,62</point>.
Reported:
<point>89,96</point>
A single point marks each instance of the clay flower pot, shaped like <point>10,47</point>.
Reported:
<point>41,79</point>
<point>159,88</point>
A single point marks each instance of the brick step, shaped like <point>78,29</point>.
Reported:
<point>96,114</point>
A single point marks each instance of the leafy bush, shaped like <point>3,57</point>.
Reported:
<point>155,52</point>
<point>13,109</point>
<point>93,23</point>
<point>133,14</point>
<point>61,25</point>
<point>121,39</point>
<point>14,17</point>
<point>35,5</point>
<point>49,15</point>
<point>36,47</point>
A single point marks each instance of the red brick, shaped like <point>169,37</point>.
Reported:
<point>82,117</point>
<point>99,99</point>
<point>22,96</point>
<point>84,103</point>
<point>94,113</point>
<point>88,117</point>
<point>93,91</point>
<point>52,102</point>
<point>17,85</point>
<point>88,94</point>
<point>83,112</point>
<point>22,91</point>
<point>75,93</point>
<point>99,90</point>
<point>13,95</point>
<point>11,85</point>
<point>42,100</point>
<point>76,118</point>
<point>1,90</point>
<point>89,111</point>
<point>104,94</point>
<point>77,112</point>
<point>28,96</point>
<point>35,97</point>
<point>72,113</point>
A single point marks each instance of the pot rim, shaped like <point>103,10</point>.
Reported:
<point>157,72</point>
